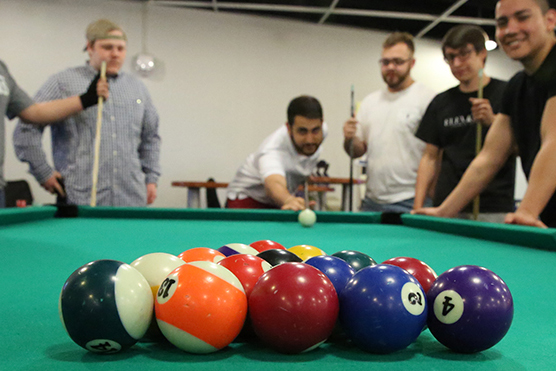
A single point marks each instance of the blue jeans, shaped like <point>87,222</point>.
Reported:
<point>2,199</point>
<point>404,206</point>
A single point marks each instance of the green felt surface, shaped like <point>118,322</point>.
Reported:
<point>39,255</point>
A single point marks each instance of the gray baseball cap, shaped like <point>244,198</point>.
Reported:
<point>100,29</point>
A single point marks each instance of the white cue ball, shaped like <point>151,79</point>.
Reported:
<point>307,218</point>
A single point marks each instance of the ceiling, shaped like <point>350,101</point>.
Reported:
<point>421,18</point>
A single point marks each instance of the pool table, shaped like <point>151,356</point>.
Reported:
<point>41,248</point>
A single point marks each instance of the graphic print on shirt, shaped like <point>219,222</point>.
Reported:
<point>458,121</point>
<point>4,89</point>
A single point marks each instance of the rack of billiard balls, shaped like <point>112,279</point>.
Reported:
<point>291,299</point>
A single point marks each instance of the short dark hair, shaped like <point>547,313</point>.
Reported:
<point>460,36</point>
<point>305,106</point>
<point>545,5</point>
<point>399,37</point>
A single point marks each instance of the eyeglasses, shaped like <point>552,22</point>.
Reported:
<point>385,62</point>
<point>463,55</point>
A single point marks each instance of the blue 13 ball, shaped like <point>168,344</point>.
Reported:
<point>383,309</point>
<point>470,309</point>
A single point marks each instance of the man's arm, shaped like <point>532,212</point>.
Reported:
<point>27,139</point>
<point>56,110</point>
<point>499,145</point>
<point>542,179</point>
<point>426,174</point>
<point>359,146</point>
<point>276,188</point>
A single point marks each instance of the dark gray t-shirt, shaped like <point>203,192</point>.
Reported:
<point>13,100</point>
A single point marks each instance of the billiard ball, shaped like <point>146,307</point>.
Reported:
<point>278,256</point>
<point>237,248</point>
<point>417,268</point>
<point>155,267</point>
<point>383,309</point>
<point>201,307</point>
<point>356,259</point>
<point>306,251</point>
<point>293,308</point>
<point>470,309</point>
<point>264,245</point>
<point>338,271</point>
<point>106,306</point>
<point>201,254</point>
<point>247,268</point>
<point>307,218</point>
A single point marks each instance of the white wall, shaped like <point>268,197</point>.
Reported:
<point>224,80</point>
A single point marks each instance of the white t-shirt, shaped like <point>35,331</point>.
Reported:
<point>387,122</point>
<point>276,155</point>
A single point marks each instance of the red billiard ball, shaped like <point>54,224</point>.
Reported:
<point>264,245</point>
<point>201,254</point>
<point>201,307</point>
<point>293,308</point>
<point>417,268</point>
<point>247,268</point>
<point>106,306</point>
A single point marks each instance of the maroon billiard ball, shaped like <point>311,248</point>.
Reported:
<point>293,308</point>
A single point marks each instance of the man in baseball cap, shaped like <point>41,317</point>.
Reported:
<point>130,144</point>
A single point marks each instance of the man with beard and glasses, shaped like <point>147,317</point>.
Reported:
<point>269,177</point>
<point>527,119</point>
<point>384,129</point>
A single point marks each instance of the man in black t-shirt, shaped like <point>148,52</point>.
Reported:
<point>449,128</point>
<point>527,120</point>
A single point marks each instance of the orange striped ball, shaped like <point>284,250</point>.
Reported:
<point>201,307</point>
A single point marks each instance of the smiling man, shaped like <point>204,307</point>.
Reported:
<point>449,128</point>
<point>525,30</point>
<point>270,177</point>
<point>384,129</point>
<point>130,145</point>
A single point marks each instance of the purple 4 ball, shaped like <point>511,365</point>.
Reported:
<point>470,309</point>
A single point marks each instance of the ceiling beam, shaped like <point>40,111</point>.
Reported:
<point>329,11</point>
<point>324,10</point>
<point>441,18</point>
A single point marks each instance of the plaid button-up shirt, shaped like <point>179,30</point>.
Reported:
<point>129,149</point>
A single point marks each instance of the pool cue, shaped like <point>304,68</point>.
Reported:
<point>97,139</point>
<point>352,114</point>
<point>306,193</point>
<point>478,143</point>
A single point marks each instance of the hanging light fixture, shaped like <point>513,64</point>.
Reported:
<point>144,63</point>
